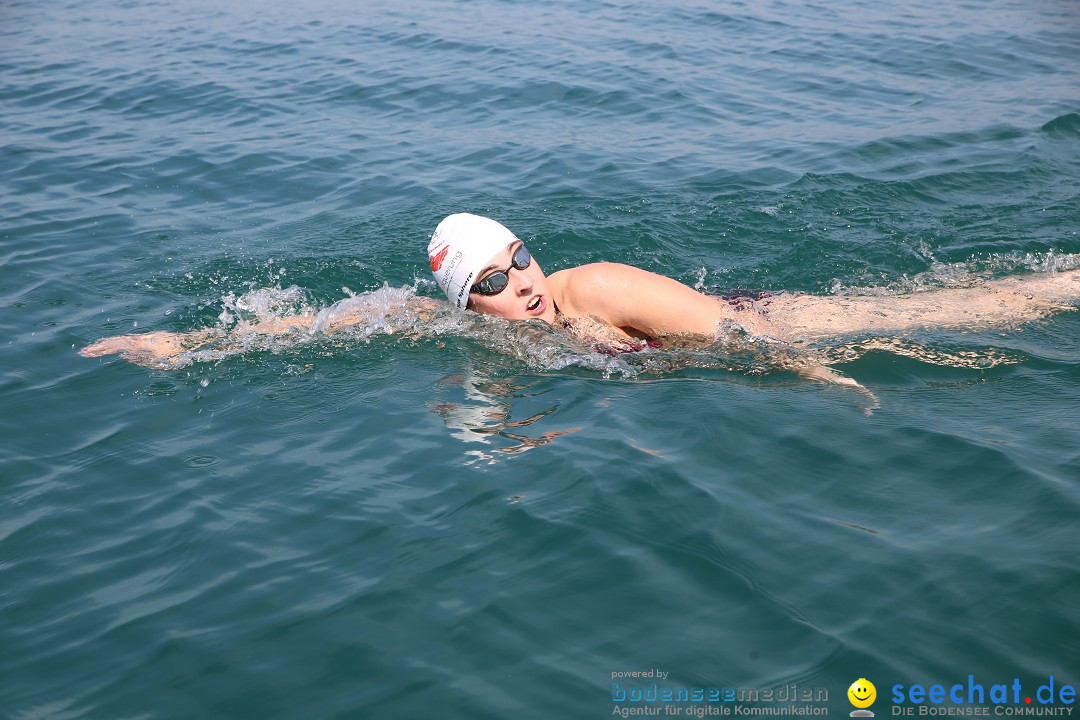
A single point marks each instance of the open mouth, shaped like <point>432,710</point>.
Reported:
<point>535,304</point>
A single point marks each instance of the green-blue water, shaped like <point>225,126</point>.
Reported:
<point>472,522</point>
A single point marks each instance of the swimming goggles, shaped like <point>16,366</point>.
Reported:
<point>497,281</point>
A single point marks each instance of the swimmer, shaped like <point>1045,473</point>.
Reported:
<point>482,266</point>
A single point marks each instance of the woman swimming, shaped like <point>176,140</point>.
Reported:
<point>481,266</point>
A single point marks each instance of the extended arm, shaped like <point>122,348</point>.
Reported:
<point>160,349</point>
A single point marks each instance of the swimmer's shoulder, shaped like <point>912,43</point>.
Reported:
<point>576,289</point>
<point>585,277</point>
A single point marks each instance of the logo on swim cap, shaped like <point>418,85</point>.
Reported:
<point>437,258</point>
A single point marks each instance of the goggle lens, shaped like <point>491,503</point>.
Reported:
<point>497,281</point>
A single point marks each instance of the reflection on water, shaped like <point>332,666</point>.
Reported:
<point>973,359</point>
<point>484,412</point>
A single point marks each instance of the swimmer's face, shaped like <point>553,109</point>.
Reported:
<point>525,296</point>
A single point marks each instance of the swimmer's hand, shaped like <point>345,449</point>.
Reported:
<point>822,374</point>
<point>149,349</point>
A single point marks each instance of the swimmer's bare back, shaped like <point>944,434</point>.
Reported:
<point>1008,301</point>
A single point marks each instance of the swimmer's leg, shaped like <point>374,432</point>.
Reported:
<point>1055,286</point>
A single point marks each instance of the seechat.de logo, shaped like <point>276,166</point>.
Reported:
<point>862,694</point>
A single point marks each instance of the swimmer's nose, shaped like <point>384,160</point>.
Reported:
<point>523,283</point>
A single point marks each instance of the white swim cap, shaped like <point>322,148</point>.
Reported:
<point>460,248</point>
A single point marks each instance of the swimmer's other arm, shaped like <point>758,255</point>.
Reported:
<point>156,348</point>
<point>638,300</point>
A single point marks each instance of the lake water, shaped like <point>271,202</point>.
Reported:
<point>477,520</point>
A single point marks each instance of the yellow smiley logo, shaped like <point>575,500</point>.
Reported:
<point>862,693</point>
